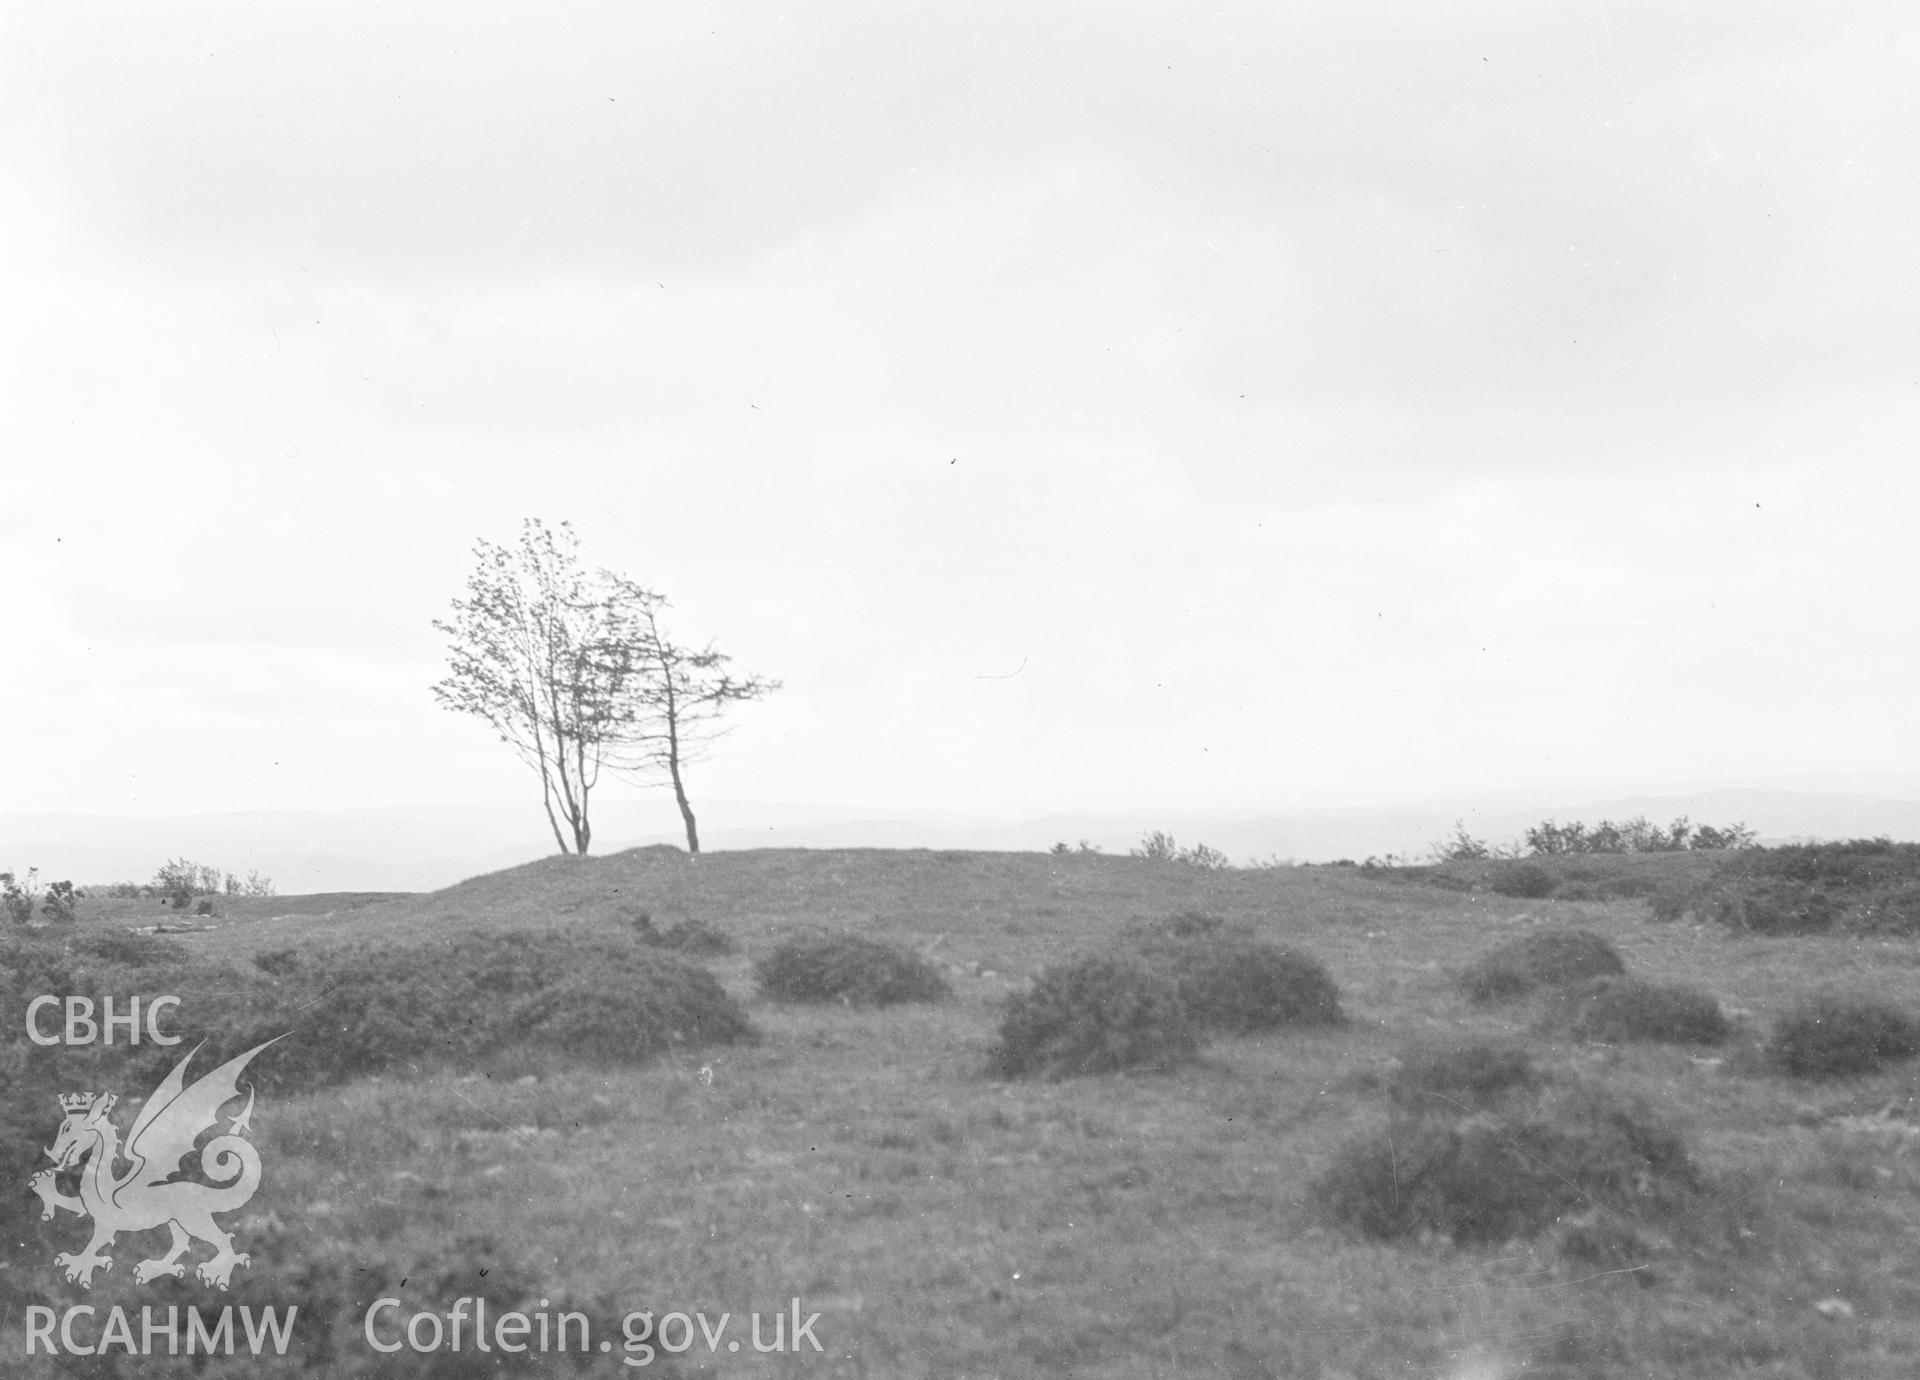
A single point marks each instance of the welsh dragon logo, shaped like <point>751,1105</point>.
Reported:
<point>147,1195</point>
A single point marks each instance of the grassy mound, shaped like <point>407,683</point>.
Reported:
<point>1837,1037</point>
<point>1464,1076</point>
<point>1617,1010</point>
<point>847,969</point>
<point>1551,958</point>
<point>1496,1176</point>
<point>1095,1015</point>
<point>1239,987</point>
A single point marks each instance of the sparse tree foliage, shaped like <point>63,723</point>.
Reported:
<point>572,669</point>
<point>61,904</point>
<point>180,881</point>
<point>676,698</point>
<point>17,895</point>
<point>1161,847</point>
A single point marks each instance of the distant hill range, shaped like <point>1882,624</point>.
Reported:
<point>422,847</point>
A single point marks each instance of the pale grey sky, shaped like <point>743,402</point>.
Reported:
<point>1073,404</point>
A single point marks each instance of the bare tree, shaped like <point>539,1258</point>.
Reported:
<point>530,654</point>
<point>573,670</point>
<point>679,695</point>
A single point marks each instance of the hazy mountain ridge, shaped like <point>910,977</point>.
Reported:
<point>416,848</point>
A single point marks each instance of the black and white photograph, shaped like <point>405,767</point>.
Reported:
<point>960,692</point>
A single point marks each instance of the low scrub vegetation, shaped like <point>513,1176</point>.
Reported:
<point>1860,886</point>
<point>21,898</point>
<point>1839,1037</point>
<point>603,998</point>
<point>1616,1010</point>
<point>847,969</point>
<point>1160,847</point>
<point>1238,987</point>
<point>1093,1016</point>
<point>1510,1173</point>
<point>1549,838</point>
<point>1550,958</point>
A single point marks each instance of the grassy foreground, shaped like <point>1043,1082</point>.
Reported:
<point>1167,1224</point>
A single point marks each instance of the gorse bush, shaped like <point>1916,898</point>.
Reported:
<point>1092,1016</point>
<point>1550,958</point>
<point>1497,1175</point>
<point>1839,1037</point>
<point>847,969</point>
<point>1461,1076</point>
<point>1241,986</point>
<point>1620,1009</point>
<point>605,998</point>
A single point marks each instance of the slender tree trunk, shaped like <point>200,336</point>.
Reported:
<point>686,809</point>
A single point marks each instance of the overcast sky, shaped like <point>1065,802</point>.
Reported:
<point>1073,404</point>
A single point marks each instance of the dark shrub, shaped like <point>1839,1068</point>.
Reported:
<point>1838,1037</point>
<point>1462,1076</point>
<point>1489,1178</point>
<point>1867,886</point>
<point>1550,958</point>
<point>1094,1015</point>
<point>1616,1010</point>
<point>847,969</point>
<point>1772,906</point>
<point>649,1004</point>
<point>1527,880</point>
<point>1241,987</point>
<point>1671,901</point>
<point>370,1009</point>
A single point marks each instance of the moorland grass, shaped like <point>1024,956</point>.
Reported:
<point>1462,1075</point>
<point>950,1224</point>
